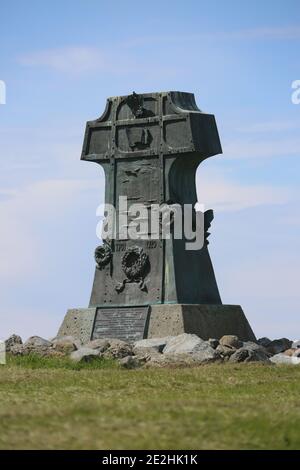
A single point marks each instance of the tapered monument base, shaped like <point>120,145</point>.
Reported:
<point>134,323</point>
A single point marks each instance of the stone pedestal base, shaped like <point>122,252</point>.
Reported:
<point>206,321</point>
<point>79,323</point>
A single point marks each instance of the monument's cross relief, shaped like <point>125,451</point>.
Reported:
<point>150,146</point>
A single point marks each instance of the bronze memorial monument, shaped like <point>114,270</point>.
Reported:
<point>150,146</point>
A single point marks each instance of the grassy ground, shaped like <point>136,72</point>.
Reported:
<point>52,404</point>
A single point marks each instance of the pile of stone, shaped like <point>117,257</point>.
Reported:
<point>182,350</point>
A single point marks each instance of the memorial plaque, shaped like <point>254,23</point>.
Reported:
<point>127,324</point>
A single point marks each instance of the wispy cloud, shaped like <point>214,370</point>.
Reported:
<point>24,215</point>
<point>258,148</point>
<point>80,59</point>
<point>267,32</point>
<point>269,126</point>
<point>84,58</point>
<point>289,32</point>
<point>225,195</point>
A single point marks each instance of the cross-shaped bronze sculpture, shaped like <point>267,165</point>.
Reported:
<point>150,146</point>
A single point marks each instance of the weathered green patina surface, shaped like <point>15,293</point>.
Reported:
<point>150,146</point>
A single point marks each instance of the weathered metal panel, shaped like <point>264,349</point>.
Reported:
<point>150,146</point>
<point>127,324</point>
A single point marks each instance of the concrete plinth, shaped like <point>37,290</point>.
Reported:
<point>206,321</point>
<point>78,322</point>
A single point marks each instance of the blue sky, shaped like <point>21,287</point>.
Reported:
<point>61,59</point>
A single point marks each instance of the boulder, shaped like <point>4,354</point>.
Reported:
<point>153,343</point>
<point>17,350</point>
<point>37,342</point>
<point>253,346</point>
<point>118,349</point>
<point>101,344</point>
<point>13,340</point>
<point>245,354</point>
<point>145,353</point>
<point>225,351</point>
<point>65,344</point>
<point>283,359</point>
<point>191,345</point>
<point>34,345</point>
<point>296,344</point>
<point>289,352</point>
<point>173,360</point>
<point>264,341</point>
<point>214,343</point>
<point>250,345</point>
<point>296,353</point>
<point>279,345</point>
<point>130,362</point>
<point>241,355</point>
<point>231,341</point>
<point>179,360</point>
<point>84,355</point>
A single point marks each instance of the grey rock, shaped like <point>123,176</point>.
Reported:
<point>17,350</point>
<point>84,355</point>
<point>283,359</point>
<point>241,355</point>
<point>173,360</point>
<point>130,362</point>
<point>296,344</point>
<point>154,343</point>
<point>253,346</point>
<point>192,345</point>
<point>34,345</point>
<point>65,344</point>
<point>264,341</point>
<point>279,345</point>
<point>179,360</point>
<point>231,341</point>
<point>13,340</point>
<point>214,343</point>
<point>145,353</point>
<point>37,342</point>
<point>118,349</point>
<point>250,345</point>
<point>101,344</point>
<point>289,352</point>
<point>225,351</point>
<point>249,355</point>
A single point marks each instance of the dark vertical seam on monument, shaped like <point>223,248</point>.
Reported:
<point>162,191</point>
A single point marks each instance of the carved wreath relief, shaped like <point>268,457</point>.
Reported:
<point>103,255</point>
<point>135,264</point>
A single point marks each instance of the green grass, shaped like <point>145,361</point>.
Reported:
<point>54,404</point>
<point>34,361</point>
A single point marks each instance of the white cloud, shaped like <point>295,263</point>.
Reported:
<point>254,148</point>
<point>23,217</point>
<point>224,195</point>
<point>269,32</point>
<point>79,59</point>
<point>269,126</point>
